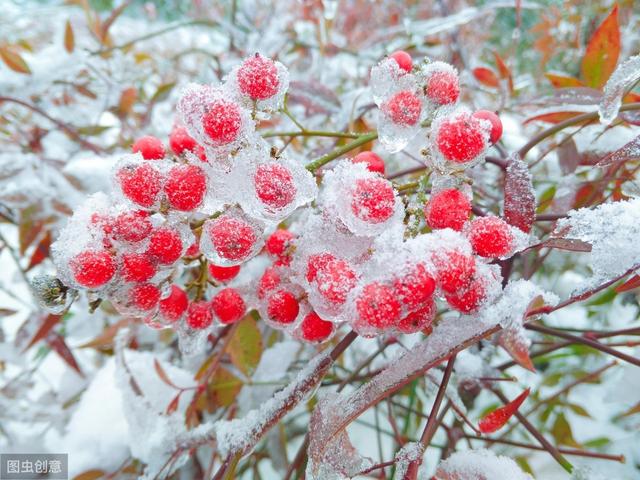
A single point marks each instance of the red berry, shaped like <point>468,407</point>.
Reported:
<point>315,329</point>
<point>448,208</point>
<point>274,185</point>
<point>222,122</point>
<point>144,296</point>
<point>140,183</point>
<point>150,147</point>
<point>403,59</point>
<point>403,108</point>
<point>335,279</point>
<point>468,300</point>
<point>373,200</point>
<point>92,269</point>
<point>185,187</point>
<point>193,250</point>
<point>258,77</point>
<point>460,138</point>
<point>132,226</point>
<point>373,162</point>
<point>316,262</point>
<point>377,306</point>
<point>418,320</point>
<point>199,315</point>
<point>279,242</point>
<point>165,245</point>
<point>232,238</point>
<point>496,124</point>
<point>415,288</point>
<point>180,141</point>
<point>269,281</point>
<point>223,274</point>
<point>283,307</point>
<point>172,307</point>
<point>137,267</point>
<point>443,87</point>
<point>454,270</point>
<point>490,237</point>
<point>228,306</point>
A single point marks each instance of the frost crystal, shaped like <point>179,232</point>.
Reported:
<point>623,77</point>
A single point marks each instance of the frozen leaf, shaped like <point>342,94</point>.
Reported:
<point>602,52</point>
<point>245,347</point>
<point>519,196</point>
<point>623,78</point>
<point>630,151</point>
<point>570,244</point>
<point>496,419</point>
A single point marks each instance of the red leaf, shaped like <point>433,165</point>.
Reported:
<point>496,419</point>
<point>630,151</point>
<point>632,283</point>
<point>504,71</point>
<point>41,252</point>
<point>49,322</point>
<point>603,50</point>
<point>58,345</point>
<point>516,345</point>
<point>519,198</point>
<point>173,405</point>
<point>553,117</point>
<point>486,77</point>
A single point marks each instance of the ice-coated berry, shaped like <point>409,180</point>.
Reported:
<point>315,329</point>
<point>490,237</point>
<point>335,279</point>
<point>373,162</point>
<point>419,319</point>
<point>468,300</point>
<point>404,108</point>
<point>140,183</point>
<point>415,288</point>
<point>137,267</point>
<point>377,306</point>
<point>258,77</point>
<point>185,187</point>
<point>222,122</point>
<point>223,274</point>
<point>274,185</point>
<point>269,281</point>
<point>132,226</point>
<point>144,296</point>
<point>172,307</point>
<point>448,208</point>
<point>461,138</point>
<point>199,315</point>
<point>193,250</point>
<point>496,123</point>
<point>316,262</point>
<point>151,148</point>
<point>232,238</point>
<point>454,270</point>
<point>283,307</point>
<point>228,306</point>
<point>180,141</point>
<point>279,242</point>
<point>373,200</point>
<point>403,59</point>
<point>165,245</point>
<point>93,269</point>
<point>442,87</point>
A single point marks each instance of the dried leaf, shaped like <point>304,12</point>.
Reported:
<point>601,55</point>
<point>69,38</point>
<point>486,77</point>
<point>13,60</point>
<point>496,419</point>
<point>519,196</point>
<point>245,347</point>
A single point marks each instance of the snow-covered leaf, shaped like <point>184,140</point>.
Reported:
<point>519,197</point>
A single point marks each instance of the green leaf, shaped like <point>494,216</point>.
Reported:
<point>597,442</point>
<point>562,433</point>
<point>524,464</point>
<point>578,410</point>
<point>162,92</point>
<point>223,388</point>
<point>245,347</point>
<point>605,297</point>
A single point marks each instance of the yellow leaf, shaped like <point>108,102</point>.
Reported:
<point>69,38</point>
<point>13,60</point>
<point>245,347</point>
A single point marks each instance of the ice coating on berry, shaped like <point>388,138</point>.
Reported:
<point>448,208</point>
<point>230,239</point>
<point>173,306</point>
<point>282,307</point>
<point>403,108</point>
<point>403,59</point>
<point>377,306</point>
<point>185,187</point>
<point>269,280</point>
<point>137,267</point>
<point>151,148</point>
<point>414,287</point>
<point>373,200</point>
<point>373,162</point>
<point>459,137</point>
<point>132,226</point>
<point>181,142</point>
<point>496,123</point>
<point>274,185</point>
<point>418,320</point>
<point>259,80</point>
<point>228,306</point>
<point>388,78</point>
<point>223,274</point>
<point>93,269</point>
<point>165,245</point>
<point>440,83</point>
<point>139,181</point>
<point>314,329</point>
<point>334,279</point>
<point>144,296</point>
<point>490,237</point>
<point>199,315</point>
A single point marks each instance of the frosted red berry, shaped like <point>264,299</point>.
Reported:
<point>185,187</point>
<point>140,183</point>
<point>222,122</point>
<point>315,329</point>
<point>283,307</point>
<point>165,245</point>
<point>93,269</point>
<point>193,250</point>
<point>132,226</point>
<point>279,243</point>
<point>258,77</point>
<point>223,274</point>
<point>180,141</point>
<point>199,315</point>
<point>468,300</point>
<point>144,296</point>
<point>454,270</point>
<point>274,185</point>
<point>228,306</point>
<point>490,237</point>
<point>415,288</point>
<point>137,267</point>
<point>316,262</point>
<point>232,238</point>
<point>419,319</point>
<point>496,123</point>
<point>448,208</point>
<point>174,306</point>
<point>403,59</point>
<point>461,138</point>
<point>373,200</point>
<point>335,279</point>
<point>151,148</point>
<point>377,306</point>
<point>404,108</point>
<point>269,281</point>
<point>442,87</point>
<point>373,162</point>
